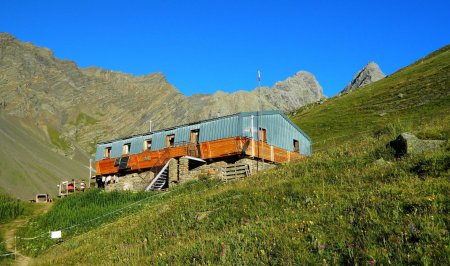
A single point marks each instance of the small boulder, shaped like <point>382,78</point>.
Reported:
<point>408,143</point>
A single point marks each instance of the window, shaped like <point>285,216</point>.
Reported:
<point>107,152</point>
<point>170,140</point>
<point>126,148</point>
<point>195,135</point>
<point>147,144</point>
<point>296,146</point>
<point>263,134</point>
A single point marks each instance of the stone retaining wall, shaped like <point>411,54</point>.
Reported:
<point>214,169</point>
<point>179,172</point>
<point>256,165</point>
<point>131,182</point>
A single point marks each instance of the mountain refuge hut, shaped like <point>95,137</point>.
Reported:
<point>226,147</point>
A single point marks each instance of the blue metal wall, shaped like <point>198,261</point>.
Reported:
<point>208,130</point>
<point>280,133</point>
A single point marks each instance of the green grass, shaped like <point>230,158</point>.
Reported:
<point>10,209</point>
<point>85,119</point>
<point>56,139</point>
<point>339,206</point>
<point>73,215</point>
<point>29,165</point>
<point>351,202</point>
<point>410,97</point>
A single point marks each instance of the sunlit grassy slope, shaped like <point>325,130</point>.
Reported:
<point>412,96</point>
<point>28,165</point>
<point>352,202</point>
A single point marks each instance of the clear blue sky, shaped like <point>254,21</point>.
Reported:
<point>205,46</point>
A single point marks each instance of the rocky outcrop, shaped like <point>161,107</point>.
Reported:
<point>294,92</point>
<point>287,95</point>
<point>407,143</point>
<point>369,74</point>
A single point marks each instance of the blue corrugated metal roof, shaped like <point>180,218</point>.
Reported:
<point>280,132</point>
<point>241,114</point>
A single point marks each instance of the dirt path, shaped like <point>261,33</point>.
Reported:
<point>10,231</point>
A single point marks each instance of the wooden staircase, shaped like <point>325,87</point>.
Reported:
<point>235,171</point>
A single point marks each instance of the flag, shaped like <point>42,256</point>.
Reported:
<point>259,76</point>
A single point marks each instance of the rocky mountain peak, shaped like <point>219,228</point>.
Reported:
<point>301,78</point>
<point>295,91</point>
<point>369,74</point>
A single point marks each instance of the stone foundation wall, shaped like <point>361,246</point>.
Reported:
<point>131,182</point>
<point>183,169</point>
<point>256,165</point>
<point>173,171</point>
<point>179,172</point>
<point>215,169</point>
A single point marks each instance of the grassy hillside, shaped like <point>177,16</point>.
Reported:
<point>10,208</point>
<point>352,202</point>
<point>412,96</point>
<point>340,207</point>
<point>80,213</point>
<point>29,165</point>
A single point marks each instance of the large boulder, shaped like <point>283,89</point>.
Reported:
<point>408,143</point>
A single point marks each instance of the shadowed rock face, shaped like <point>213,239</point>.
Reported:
<point>92,104</point>
<point>369,74</point>
<point>407,143</point>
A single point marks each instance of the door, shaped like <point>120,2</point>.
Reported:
<point>263,134</point>
<point>194,147</point>
<point>195,135</point>
<point>296,146</point>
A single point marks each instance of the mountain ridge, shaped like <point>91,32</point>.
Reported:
<point>73,108</point>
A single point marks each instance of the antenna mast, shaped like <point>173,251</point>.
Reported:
<point>259,121</point>
<point>260,118</point>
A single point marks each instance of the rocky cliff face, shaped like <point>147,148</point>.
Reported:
<point>369,74</point>
<point>294,92</point>
<point>74,107</point>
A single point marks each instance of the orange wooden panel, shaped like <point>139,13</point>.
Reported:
<point>106,166</point>
<point>179,151</point>
<point>220,148</point>
<point>208,150</point>
<point>272,153</point>
<point>148,159</point>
